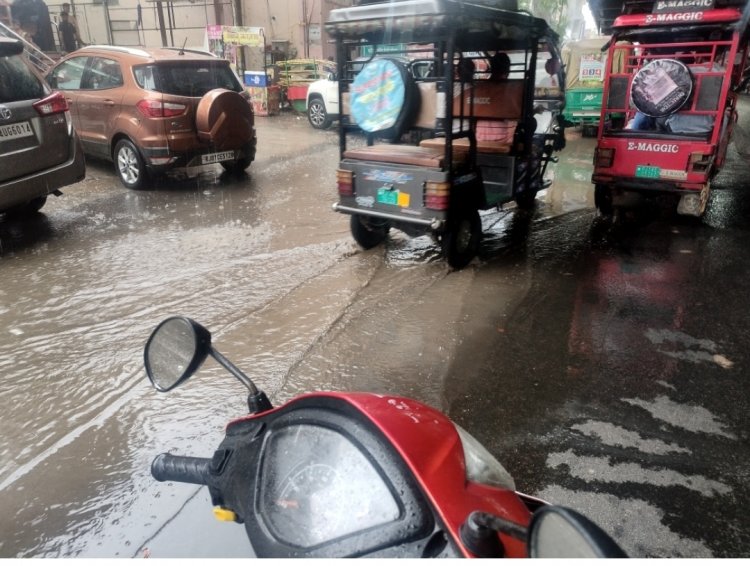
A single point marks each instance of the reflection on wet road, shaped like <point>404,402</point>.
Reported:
<point>602,365</point>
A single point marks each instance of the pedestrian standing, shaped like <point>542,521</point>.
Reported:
<point>67,33</point>
<point>74,23</point>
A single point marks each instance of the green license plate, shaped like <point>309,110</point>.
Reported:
<point>647,171</point>
<point>387,196</point>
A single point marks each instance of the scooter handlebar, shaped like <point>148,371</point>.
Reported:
<point>185,469</point>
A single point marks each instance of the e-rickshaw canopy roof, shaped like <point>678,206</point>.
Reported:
<point>474,27</point>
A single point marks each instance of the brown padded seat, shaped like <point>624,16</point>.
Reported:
<point>461,145</point>
<point>402,154</point>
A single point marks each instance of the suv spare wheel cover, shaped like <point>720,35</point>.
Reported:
<point>661,87</point>
<point>383,97</point>
<point>224,118</point>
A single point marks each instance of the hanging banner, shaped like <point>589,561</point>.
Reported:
<point>250,36</point>
<point>215,32</point>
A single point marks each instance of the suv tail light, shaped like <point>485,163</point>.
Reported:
<point>158,109</point>
<point>55,103</point>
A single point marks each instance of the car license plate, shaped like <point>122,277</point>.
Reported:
<point>396,198</point>
<point>17,130</point>
<point>217,157</point>
<point>647,171</point>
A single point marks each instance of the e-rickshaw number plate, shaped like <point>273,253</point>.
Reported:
<point>647,171</point>
<point>390,196</point>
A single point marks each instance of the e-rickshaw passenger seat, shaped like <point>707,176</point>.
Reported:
<point>486,100</point>
<point>461,146</point>
<point>403,155</point>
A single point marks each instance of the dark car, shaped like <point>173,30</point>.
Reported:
<point>151,110</point>
<point>39,149</point>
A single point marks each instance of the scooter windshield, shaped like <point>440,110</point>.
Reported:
<point>317,486</point>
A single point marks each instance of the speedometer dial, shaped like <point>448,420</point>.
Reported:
<point>317,486</point>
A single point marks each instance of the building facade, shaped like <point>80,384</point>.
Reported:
<point>292,28</point>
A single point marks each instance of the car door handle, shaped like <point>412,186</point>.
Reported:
<point>69,101</point>
<point>109,102</point>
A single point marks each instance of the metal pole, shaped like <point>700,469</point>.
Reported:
<point>108,22</point>
<point>160,17</point>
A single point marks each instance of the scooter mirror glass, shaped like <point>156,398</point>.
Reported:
<point>557,532</point>
<point>175,350</point>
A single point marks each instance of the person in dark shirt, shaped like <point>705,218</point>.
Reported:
<point>74,22</point>
<point>67,33</point>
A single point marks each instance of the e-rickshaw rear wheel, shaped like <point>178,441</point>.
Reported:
<point>368,232</point>
<point>603,200</point>
<point>460,241</point>
<point>526,200</point>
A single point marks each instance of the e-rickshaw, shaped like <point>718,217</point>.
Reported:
<point>429,134</point>
<point>584,63</point>
<point>670,108</point>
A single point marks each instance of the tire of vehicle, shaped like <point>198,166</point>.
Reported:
<point>460,241</point>
<point>317,115</point>
<point>368,232</point>
<point>603,200</point>
<point>224,119</point>
<point>27,208</point>
<point>238,166</point>
<point>384,98</point>
<point>129,165</point>
<point>526,200</point>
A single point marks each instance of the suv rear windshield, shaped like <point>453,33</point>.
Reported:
<point>186,79</point>
<point>17,82</point>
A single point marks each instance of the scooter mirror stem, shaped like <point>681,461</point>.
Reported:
<point>234,370</point>
<point>258,403</point>
<point>479,534</point>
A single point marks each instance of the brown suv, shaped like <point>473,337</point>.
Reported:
<point>150,110</point>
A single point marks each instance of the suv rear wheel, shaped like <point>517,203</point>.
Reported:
<point>130,166</point>
<point>27,208</point>
<point>239,165</point>
<point>317,115</point>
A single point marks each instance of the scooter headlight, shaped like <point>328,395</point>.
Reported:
<point>481,466</point>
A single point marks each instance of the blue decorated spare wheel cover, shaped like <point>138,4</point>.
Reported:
<point>377,95</point>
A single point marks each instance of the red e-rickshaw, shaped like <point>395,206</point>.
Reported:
<point>669,102</point>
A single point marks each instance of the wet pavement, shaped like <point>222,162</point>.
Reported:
<point>603,365</point>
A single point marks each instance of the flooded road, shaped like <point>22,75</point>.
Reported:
<point>603,366</point>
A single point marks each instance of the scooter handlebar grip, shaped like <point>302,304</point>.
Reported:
<point>185,469</point>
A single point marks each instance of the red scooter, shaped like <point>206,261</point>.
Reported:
<point>359,474</point>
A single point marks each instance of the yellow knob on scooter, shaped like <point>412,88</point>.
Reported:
<point>224,514</point>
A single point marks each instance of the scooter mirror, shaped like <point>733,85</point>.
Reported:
<point>557,532</point>
<point>174,351</point>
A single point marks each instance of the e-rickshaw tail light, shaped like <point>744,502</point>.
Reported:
<point>345,182</point>
<point>699,162</point>
<point>604,157</point>
<point>437,194</point>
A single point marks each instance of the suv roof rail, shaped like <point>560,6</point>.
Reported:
<point>130,50</point>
